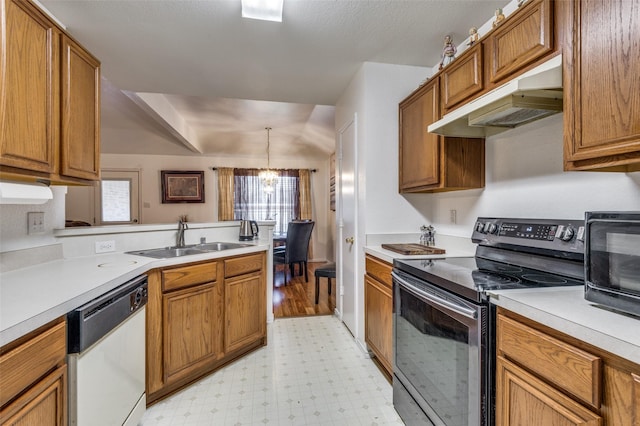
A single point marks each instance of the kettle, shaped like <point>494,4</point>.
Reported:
<point>248,230</point>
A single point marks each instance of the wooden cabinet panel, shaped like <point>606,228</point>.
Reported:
<point>80,133</point>
<point>601,96</point>
<point>245,311</point>
<point>243,265</point>
<point>564,365</point>
<point>43,405</point>
<point>521,40</point>
<point>378,301</point>
<point>522,400</point>
<point>190,325</point>
<point>463,78</point>
<point>618,405</point>
<point>419,150</point>
<point>27,363</point>
<point>185,276</point>
<point>29,88</point>
<point>379,270</point>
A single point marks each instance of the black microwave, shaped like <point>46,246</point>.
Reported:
<point>612,260</point>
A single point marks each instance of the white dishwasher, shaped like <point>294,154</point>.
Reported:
<point>106,358</point>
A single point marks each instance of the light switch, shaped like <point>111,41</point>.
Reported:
<point>35,222</point>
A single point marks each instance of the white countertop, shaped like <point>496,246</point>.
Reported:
<point>31,297</point>
<point>566,310</point>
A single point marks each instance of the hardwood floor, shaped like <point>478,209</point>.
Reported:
<point>297,298</point>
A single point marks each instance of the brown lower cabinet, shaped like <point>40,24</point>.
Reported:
<point>546,377</point>
<point>33,378</point>
<point>201,316</point>
<point>378,311</point>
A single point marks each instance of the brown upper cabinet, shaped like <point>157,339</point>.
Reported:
<point>520,41</point>
<point>602,86</point>
<point>463,78</point>
<point>431,163</point>
<point>49,101</point>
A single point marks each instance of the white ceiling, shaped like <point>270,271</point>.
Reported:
<point>226,78</point>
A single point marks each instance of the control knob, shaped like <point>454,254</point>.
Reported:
<point>567,233</point>
<point>480,227</point>
<point>491,228</point>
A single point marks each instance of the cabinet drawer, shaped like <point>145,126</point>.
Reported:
<point>243,265</point>
<point>379,269</point>
<point>27,363</point>
<point>173,279</point>
<point>569,368</point>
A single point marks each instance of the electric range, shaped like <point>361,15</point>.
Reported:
<point>444,326</point>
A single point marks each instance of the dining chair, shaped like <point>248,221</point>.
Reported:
<point>296,248</point>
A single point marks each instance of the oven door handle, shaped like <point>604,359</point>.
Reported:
<point>447,304</point>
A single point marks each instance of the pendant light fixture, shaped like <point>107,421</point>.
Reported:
<point>268,176</point>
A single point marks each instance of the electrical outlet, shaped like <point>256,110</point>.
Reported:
<point>35,222</point>
<point>453,216</point>
<point>105,246</point>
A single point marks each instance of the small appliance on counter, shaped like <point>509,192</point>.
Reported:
<point>248,230</point>
<point>612,260</point>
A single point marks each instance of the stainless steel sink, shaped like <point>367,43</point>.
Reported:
<point>221,246</point>
<point>169,252</point>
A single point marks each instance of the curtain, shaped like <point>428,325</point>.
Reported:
<point>305,194</point>
<point>305,202</point>
<point>225,193</point>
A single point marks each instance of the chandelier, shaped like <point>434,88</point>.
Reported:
<point>268,176</point>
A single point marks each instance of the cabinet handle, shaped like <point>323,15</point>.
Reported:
<point>349,240</point>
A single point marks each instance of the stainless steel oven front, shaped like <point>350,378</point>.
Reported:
<point>442,357</point>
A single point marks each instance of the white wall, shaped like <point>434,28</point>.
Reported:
<point>374,94</point>
<point>13,223</point>
<point>525,179</point>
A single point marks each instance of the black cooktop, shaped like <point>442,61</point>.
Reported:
<point>471,277</point>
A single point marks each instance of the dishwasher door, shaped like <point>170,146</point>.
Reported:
<point>107,377</point>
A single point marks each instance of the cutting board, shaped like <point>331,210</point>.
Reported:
<point>412,249</point>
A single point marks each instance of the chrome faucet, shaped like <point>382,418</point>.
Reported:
<point>182,226</point>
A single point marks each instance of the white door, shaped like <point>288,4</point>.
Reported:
<point>347,211</point>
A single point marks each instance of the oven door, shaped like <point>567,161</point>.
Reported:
<point>441,356</point>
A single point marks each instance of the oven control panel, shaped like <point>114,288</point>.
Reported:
<point>551,234</point>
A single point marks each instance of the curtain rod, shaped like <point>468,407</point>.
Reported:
<point>311,170</point>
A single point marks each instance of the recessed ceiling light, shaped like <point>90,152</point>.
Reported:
<point>266,10</point>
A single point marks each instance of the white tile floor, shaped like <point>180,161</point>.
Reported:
<point>310,373</point>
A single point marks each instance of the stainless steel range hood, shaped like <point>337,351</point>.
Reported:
<point>533,95</point>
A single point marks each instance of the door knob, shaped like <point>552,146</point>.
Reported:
<point>349,240</point>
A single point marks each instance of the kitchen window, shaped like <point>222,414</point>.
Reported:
<point>252,202</point>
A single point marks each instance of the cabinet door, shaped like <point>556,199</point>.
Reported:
<point>44,404</point>
<point>521,40</point>
<point>191,319</point>
<point>80,134</point>
<point>29,81</point>
<point>463,78</point>
<point>420,150</point>
<point>245,311</point>
<point>524,400</point>
<point>378,305</point>
<point>602,77</point>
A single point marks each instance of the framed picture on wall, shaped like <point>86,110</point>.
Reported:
<point>182,186</point>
